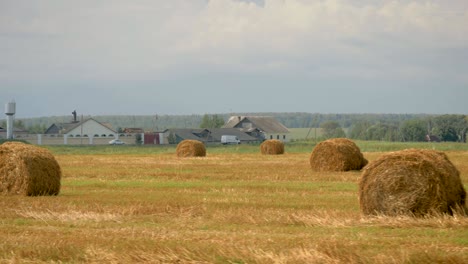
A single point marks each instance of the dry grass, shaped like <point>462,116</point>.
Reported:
<point>272,147</point>
<point>28,170</point>
<point>224,208</point>
<point>191,148</point>
<point>412,182</point>
<point>337,154</point>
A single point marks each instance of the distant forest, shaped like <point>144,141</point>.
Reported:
<point>162,122</point>
<point>386,127</point>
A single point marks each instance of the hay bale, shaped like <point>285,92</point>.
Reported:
<point>28,170</point>
<point>191,148</point>
<point>337,154</point>
<point>411,182</point>
<point>272,147</point>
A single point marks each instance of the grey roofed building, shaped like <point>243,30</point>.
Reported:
<point>188,133</point>
<point>242,136</point>
<point>261,127</point>
<point>59,128</point>
<point>210,135</point>
<point>266,124</point>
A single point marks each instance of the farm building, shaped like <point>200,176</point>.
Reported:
<point>133,130</point>
<point>154,138</point>
<point>207,135</point>
<point>86,128</point>
<point>260,127</point>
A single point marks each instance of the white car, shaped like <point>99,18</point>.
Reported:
<point>116,142</point>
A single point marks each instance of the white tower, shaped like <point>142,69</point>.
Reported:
<point>10,110</point>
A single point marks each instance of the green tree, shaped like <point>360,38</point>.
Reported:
<point>138,139</point>
<point>172,138</point>
<point>332,129</point>
<point>19,124</point>
<point>37,129</point>
<point>213,121</point>
<point>450,127</point>
<point>382,132</point>
<point>359,130</point>
<point>413,130</point>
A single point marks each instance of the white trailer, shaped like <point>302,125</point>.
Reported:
<point>228,139</point>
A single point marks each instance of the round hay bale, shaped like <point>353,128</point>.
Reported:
<point>272,147</point>
<point>337,154</point>
<point>411,182</point>
<point>28,170</point>
<point>191,148</point>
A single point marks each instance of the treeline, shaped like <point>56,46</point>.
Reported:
<point>161,122</point>
<point>431,128</point>
<point>387,127</point>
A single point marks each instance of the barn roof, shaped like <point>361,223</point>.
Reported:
<point>213,134</point>
<point>267,124</point>
<point>216,133</point>
<point>187,133</point>
<point>67,127</point>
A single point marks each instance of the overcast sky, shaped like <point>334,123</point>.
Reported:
<point>220,56</point>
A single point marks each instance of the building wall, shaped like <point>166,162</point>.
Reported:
<point>92,128</point>
<point>56,139</point>
<point>283,137</point>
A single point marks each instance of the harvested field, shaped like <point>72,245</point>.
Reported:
<point>229,207</point>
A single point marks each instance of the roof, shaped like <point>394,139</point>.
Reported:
<point>266,124</point>
<point>187,133</point>
<point>213,134</point>
<point>67,127</point>
<point>132,130</point>
<point>216,133</point>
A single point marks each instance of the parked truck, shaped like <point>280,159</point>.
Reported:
<point>228,139</point>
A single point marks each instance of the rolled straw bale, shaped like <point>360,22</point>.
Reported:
<point>411,182</point>
<point>272,147</point>
<point>337,154</point>
<point>191,148</point>
<point>28,170</point>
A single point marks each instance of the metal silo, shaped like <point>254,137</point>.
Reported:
<point>10,110</point>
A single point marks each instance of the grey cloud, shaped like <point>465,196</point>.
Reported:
<point>156,54</point>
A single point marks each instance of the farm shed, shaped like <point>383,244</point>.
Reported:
<point>155,138</point>
<point>133,130</point>
<point>208,135</point>
<point>261,127</point>
<point>86,128</point>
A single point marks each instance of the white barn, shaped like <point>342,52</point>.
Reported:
<point>90,128</point>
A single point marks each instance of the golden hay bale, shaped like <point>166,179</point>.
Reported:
<point>28,170</point>
<point>191,148</point>
<point>272,147</point>
<point>411,182</point>
<point>337,154</point>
